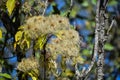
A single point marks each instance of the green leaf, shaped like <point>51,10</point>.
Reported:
<point>72,27</point>
<point>94,2</point>
<point>2,78</point>
<point>0,33</point>
<point>64,13</point>
<point>112,3</point>
<point>73,13</point>
<point>5,75</point>
<point>10,6</point>
<point>87,52</point>
<point>108,47</point>
<point>85,4</point>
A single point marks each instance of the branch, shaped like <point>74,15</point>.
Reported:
<point>48,36</point>
<point>98,51</point>
<point>71,5</point>
<point>70,8</point>
<point>7,22</point>
<point>86,71</point>
<point>46,4</point>
<point>111,25</point>
<point>100,28</point>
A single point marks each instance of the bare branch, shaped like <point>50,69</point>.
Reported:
<point>70,8</point>
<point>46,5</point>
<point>98,51</point>
<point>71,4</point>
<point>111,25</point>
<point>85,72</point>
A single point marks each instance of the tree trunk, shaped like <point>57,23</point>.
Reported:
<point>100,36</point>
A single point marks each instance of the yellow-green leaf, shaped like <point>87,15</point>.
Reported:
<point>21,27</point>
<point>41,41</point>
<point>15,46</point>
<point>68,72</point>
<point>18,36</point>
<point>28,43</point>
<point>58,34</point>
<point>5,75</point>
<point>0,33</point>
<point>10,6</point>
<point>33,77</point>
<point>24,43</point>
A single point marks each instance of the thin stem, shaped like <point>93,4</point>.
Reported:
<point>48,36</point>
<point>111,25</point>
<point>70,8</point>
<point>46,4</point>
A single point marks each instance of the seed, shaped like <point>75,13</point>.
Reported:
<point>60,21</point>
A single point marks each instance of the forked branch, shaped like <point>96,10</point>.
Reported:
<point>98,52</point>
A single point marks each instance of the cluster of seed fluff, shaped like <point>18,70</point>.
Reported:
<point>38,25</point>
<point>67,41</point>
<point>28,64</point>
<point>33,7</point>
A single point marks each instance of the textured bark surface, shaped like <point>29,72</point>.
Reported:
<point>100,36</point>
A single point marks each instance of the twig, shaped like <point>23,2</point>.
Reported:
<point>85,71</point>
<point>70,8</point>
<point>105,3</point>
<point>46,4</point>
<point>71,4</point>
<point>111,25</point>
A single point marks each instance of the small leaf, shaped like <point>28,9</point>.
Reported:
<point>78,59</point>
<point>33,78</point>
<point>40,42</point>
<point>86,52</point>
<point>2,78</point>
<point>112,3</point>
<point>72,27</point>
<point>68,72</point>
<point>0,33</point>
<point>85,4</point>
<point>28,43</point>
<point>64,13</point>
<point>15,46</point>
<point>94,2</point>
<point>10,6</point>
<point>5,75</point>
<point>73,13</point>
<point>25,43</point>
<point>21,27</point>
<point>18,36</point>
<point>108,47</point>
<point>58,34</point>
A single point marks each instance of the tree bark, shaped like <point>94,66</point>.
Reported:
<point>100,36</point>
